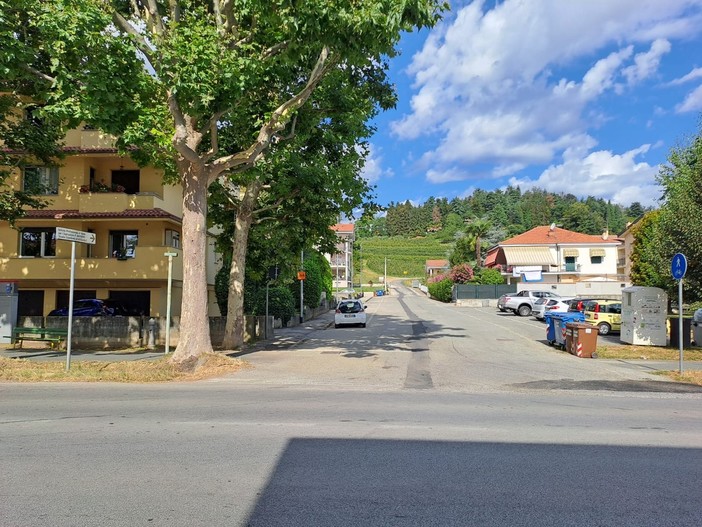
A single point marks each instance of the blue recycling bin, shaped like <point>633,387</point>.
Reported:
<point>559,321</point>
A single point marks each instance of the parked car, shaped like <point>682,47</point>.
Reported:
<point>605,314</point>
<point>90,307</point>
<point>350,312</point>
<point>522,303</point>
<point>549,305</point>
<point>578,303</point>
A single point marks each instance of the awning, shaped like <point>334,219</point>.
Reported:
<point>571,252</point>
<point>490,259</point>
<point>597,252</point>
<point>528,256</point>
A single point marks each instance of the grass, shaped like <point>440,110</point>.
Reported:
<point>655,353</point>
<point>141,371</point>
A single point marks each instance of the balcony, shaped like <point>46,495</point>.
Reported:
<point>89,139</point>
<point>119,201</point>
<point>148,264</point>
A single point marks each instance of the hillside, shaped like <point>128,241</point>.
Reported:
<point>406,257</point>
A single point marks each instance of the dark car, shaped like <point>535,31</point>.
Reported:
<point>89,307</point>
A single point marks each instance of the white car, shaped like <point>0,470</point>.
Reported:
<point>350,312</point>
<point>549,305</point>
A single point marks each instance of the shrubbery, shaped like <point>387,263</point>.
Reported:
<point>441,289</point>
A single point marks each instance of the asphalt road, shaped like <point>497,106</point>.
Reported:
<point>431,415</point>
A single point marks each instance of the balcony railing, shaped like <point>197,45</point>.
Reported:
<point>148,264</point>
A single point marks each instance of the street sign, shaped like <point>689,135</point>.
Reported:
<point>75,236</point>
<point>679,266</point>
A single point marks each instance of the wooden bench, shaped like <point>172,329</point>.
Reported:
<point>54,336</point>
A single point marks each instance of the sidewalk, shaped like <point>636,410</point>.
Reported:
<point>286,338</point>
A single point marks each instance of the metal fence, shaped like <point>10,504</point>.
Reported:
<point>471,291</point>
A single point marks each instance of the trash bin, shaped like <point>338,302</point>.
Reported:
<point>581,339</point>
<point>550,329</point>
<point>697,327</point>
<point>559,321</point>
<point>673,324</point>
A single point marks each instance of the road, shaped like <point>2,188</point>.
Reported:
<point>432,415</point>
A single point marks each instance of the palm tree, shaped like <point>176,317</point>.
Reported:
<point>477,229</point>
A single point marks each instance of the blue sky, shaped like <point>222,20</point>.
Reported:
<point>579,96</point>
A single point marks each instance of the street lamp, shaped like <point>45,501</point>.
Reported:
<point>168,299</point>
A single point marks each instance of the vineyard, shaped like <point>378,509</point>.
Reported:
<point>406,257</point>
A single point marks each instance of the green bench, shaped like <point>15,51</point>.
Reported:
<point>54,336</point>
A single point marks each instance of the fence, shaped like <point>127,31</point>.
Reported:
<point>473,291</point>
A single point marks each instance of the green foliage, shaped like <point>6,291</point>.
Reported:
<point>318,280</point>
<point>649,265</point>
<point>442,290</point>
<point>488,276</point>
<point>681,213</point>
<point>463,251</point>
<point>281,303</point>
<point>405,257</point>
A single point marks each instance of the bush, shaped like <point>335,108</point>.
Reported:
<point>442,290</point>
<point>486,276</point>
<point>461,274</point>
<point>281,303</point>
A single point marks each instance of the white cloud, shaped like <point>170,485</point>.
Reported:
<point>692,103</point>
<point>373,169</point>
<point>695,74</point>
<point>646,64</point>
<point>497,86</point>
<point>435,176</point>
<point>619,177</point>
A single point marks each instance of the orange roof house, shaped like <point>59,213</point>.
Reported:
<point>433,267</point>
<point>552,252</point>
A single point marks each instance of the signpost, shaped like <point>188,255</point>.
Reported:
<point>678,268</point>
<point>170,256</point>
<point>73,237</point>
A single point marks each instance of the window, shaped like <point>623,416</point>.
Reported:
<point>127,179</point>
<point>38,242</point>
<point>596,259</point>
<point>123,244</point>
<point>570,263</point>
<point>172,238</point>
<point>41,180</point>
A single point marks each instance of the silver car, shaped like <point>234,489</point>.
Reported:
<point>549,305</point>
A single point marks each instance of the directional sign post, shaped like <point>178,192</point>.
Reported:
<point>678,268</point>
<point>170,256</point>
<point>73,237</point>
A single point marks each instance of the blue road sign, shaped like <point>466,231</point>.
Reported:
<point>679,266</point>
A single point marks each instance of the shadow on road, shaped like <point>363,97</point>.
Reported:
<point>322,482</point>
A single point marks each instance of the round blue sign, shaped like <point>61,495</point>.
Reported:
<point>679,266</point>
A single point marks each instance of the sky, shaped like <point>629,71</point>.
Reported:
<point>586,97</point>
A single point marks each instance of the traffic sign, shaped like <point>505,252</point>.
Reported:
<point>679,266</point>
<point>75,236</point>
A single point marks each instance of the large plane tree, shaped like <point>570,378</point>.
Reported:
<point>168,77</point>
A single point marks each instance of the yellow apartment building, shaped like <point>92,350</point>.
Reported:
<point>136,218</point>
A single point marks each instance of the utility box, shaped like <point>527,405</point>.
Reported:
<point>644,315</point>
<point>8,310</point>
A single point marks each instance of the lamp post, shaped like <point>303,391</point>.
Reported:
<point>168,299</point>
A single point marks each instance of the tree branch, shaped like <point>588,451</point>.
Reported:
<point>140,41</point>
<point>185,139</point>
<point>153,19</point>
<point>275,50</point>
<point>247,158</point>
<point>38,73</point>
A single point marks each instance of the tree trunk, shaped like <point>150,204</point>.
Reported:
<point>234,327</point>
<point>194,319</point>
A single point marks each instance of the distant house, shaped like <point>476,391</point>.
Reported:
<point>342,260</point>
<point>626,249</point>
<point>434,267</point>
<point>553,255</point>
